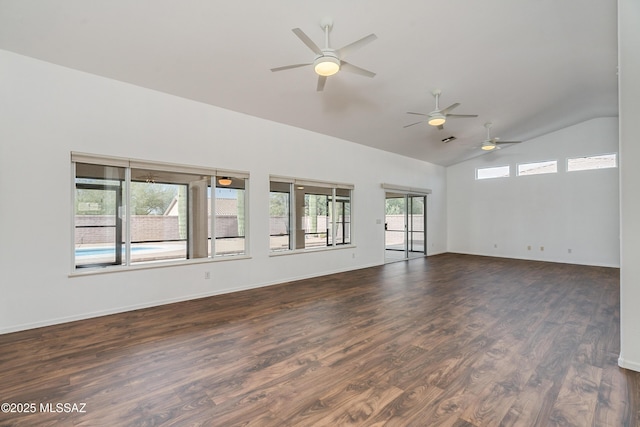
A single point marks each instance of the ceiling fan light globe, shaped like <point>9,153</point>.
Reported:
<point>488,146</point>
<point>437,120</point>
<point>326,66</point>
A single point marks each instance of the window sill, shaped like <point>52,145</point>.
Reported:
<point>311,250</point>
<point>152,265</point>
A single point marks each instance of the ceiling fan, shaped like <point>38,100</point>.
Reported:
<point>491,144</point>
<point>438,117</point>
<point>329,61</point>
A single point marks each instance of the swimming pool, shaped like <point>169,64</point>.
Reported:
<point>108,251</point>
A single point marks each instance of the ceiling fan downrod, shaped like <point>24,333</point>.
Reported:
<point>436,93</point>
<point>326,24</point>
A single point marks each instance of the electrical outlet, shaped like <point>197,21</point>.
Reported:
<point>542,248</point>
<point>529,247</point>
<point>569,250</point>
<point>207,275</point>
<point>495,245</point>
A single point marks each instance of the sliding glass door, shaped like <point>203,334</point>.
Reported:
<point>416,225</point>
<point>405,226</point>
<point>395,227</point>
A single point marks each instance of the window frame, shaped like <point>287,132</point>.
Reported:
<point>289,215</point>
<point>245,212</point>
<point>210,176</point>
<point>616,160</point>
<point>493,177</point>
<point>334,188</point>
<point>519,173</point>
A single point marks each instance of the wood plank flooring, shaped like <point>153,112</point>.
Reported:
<point>449,340</point>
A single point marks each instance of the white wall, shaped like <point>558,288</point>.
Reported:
<point>47,111</point>
<point>561,211</point>
<point>629,102</point>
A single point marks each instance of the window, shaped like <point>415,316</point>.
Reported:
<point>130,212</point>
<point>230,216</point>
<point>308,214</point>
<point>315,216</point>
<point>341,207</point>
<point>538,168</point>
<point>280,216</point>
<point>493,172</point>
<point>168,218</point>
<point>592,162</point>
<point>99,194</point>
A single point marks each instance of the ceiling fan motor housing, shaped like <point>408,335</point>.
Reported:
<point>436,119</point>
<point>488,145</point>
<point>327,64</point>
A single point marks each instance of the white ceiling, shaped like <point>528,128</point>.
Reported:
<point>528,66</point>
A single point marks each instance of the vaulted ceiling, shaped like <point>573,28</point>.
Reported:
<point>529,67</point>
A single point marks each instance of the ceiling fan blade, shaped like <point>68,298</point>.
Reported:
<point>421,121</point>
<point>343,52</point>
<point>507,142</point>
<point>288,67</point>
<point>418,114</point>
<point>461,115</point>
<point>356,70</point>
<point>306,40</point>
<point>321,81</point>
<point>449,108</point>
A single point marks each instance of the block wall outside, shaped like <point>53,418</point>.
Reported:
<point>96,229</point>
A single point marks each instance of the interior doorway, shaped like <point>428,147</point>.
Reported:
<point>405,225</point>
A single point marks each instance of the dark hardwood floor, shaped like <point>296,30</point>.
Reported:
<point>449,340</point>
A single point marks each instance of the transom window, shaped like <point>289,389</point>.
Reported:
<point>493,172</point>
<point>538,168</point>
<point>602,161</point>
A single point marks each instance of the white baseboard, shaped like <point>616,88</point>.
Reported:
<point>628,364</point>
<point>436,253</point>
<point>557,261</point>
